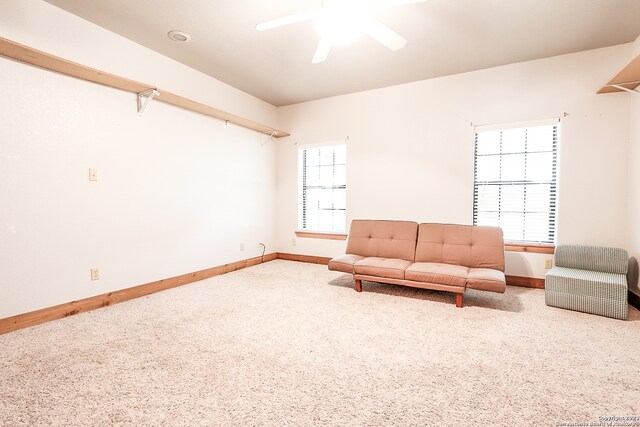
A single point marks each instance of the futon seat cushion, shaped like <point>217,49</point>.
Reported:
<point>486,279</point>
<point>392,268</point>
<point>438,273</point>
<point>344,263</point>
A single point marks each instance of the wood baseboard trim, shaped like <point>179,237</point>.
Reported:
<point>20,321</point>
<point>304,258</point>
<point>634,299</point>
<point>25,320</point>
<point>525,282</point>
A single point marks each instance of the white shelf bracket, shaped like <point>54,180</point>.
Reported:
<point>274,133</point>
<point>147,96</point>
<point>626,89</point>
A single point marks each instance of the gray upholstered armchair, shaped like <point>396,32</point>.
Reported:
<point>590,279</point>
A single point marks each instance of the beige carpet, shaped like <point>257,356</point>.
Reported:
<point>292,344</point>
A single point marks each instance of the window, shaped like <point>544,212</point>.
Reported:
<point>323,188</point>
<point>515,180</point>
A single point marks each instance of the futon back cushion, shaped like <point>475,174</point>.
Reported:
<point>383,239</point>
<point>468,245</point>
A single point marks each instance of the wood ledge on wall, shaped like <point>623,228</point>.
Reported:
<point>319,235</point>
<point>539,248</point>
<point>20,321</point>
<point>628,79</point>
<point>50,62</point>
<point>530,247</point>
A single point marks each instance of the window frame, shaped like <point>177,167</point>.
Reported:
<point>541,246</point>
<point>301,231</point>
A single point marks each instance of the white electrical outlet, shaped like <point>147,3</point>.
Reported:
<point>242,246</point>
<point>95,274</point>
<point>93,174</point>
<point>293,242</point>
<point>548,263</point>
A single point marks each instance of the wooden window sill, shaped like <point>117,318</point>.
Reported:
<point>529,247</point>
<point>511,247</point>
<point>321,235</point>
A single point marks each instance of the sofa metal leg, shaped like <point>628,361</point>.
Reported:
<point>358,285</point>
<point>459,300</point>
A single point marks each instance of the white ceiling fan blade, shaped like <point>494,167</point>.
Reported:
<point>291,19</point>
<point>322,51</point>
<point>383,34</point>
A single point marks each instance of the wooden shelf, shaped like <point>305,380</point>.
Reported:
<point>628,77</point>
<point>44,60</point>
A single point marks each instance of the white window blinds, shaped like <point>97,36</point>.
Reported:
<point>515,181</point>
<point>323,188</point>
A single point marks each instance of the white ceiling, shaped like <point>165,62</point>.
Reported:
<point>444,37</point>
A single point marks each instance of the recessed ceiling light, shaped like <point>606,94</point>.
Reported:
<point>179,36</point>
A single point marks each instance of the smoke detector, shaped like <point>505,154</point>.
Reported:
<point>179,36</point>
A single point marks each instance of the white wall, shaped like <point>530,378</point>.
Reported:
<point>633,244</point>
<point>410,149</point>
<point>177,191</point>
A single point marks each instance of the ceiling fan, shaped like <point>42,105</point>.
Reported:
<point>340,21</point>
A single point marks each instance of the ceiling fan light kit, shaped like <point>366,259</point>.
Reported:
<point>340,22</point>
<point>338,28</point>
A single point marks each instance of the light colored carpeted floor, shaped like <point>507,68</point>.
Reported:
<point>288,343</point>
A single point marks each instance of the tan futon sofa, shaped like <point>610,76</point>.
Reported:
<point>444,257</point>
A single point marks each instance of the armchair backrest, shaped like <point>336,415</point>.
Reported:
<point>593,258</point>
